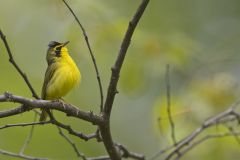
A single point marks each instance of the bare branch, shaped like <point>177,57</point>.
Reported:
<point>90,51</point>
<point>29,104</point>
<point>205,138</point>
<point>161,152</point>
<point>71,131</point>
<point>55,122</point>
<point>128,154</point>
<point>79,154</point>
<point>99,158</point>
<point>24,124</point>
<point>229,115</point>
<point>168,88</point>
<point>29,137</point>
<point>102,121</point>
<point>7,153</point>
<point>218,119</point>
<point>112,88</point>
<point>3,37</point>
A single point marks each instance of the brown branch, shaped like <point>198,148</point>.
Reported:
<point>79,154</point>
<point>25,78</point>
<point>71,131</point>
<point>24,124</point>
<point>205,138</point>
<point>229,115</point>
<point>103,120</point>
<point>29,137</point>
<point>191,137</point>
<point>161,152</point>
<point>11,60</point>
<point>7,153</point>
<point>90,51</point>
<point>30,104</point>
<point>168,88</point>
<point>112,88</point>
<point>99,158</point>
<point>127,154</point>
<point>55,122</point>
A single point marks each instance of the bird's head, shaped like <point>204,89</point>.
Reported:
<point>56,51</point>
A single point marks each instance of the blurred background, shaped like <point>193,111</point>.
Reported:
<point>198,39</point>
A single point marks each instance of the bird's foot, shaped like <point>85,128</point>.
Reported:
<point>61,101</point>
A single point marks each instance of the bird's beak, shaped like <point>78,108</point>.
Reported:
<point>65,43</point>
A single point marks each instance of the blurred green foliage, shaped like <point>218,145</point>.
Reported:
<point>199,39</point>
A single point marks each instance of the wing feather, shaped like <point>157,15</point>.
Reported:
<point>48,76</point>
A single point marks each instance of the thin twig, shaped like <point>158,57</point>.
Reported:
<point>70,130</point>
<point>127,154</point>
<point>168,88</point>
<point>90,51</point>
<point>161,152</point>
<point>7,153</point>
<point>29,137</point>
<point>218,119</point>
<point>55,122</point>
<point>24,124</point>
<point>11,60</point>
<point>232,130</point>
<point>210,136</point>
<point>79,154</point>
<point>229,115</point>
<point>99,158</point>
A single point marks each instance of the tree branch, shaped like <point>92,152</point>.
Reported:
<point>127,154</point>
<point>228,115</point>
<point>112,88</point>
<point>29,137</point>
<point>24,124</point>
<point>79,154</point>
<point>205,138</point>
<point>30,104</point>
<point>11,60</point>
<point>71,131</point>
<point>20,155</point>
<point>90,51</point>
<point>99,158</point>
<point>168,88</point>
<point>102,121</point>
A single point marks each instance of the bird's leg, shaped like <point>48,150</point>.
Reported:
<point>60,100</point>
<point>63,101</point>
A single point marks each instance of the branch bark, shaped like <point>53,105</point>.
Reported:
<point>20,155</point>
<point>11,60</point>
<point>116,152</point>
<point>29,104</point>
<point>185,144</point>
<point>90,51</point>
<point>112,88</point>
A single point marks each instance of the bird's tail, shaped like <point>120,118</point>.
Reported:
<point>43,115</point>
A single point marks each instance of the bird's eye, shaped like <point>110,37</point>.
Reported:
<point>58,51</point>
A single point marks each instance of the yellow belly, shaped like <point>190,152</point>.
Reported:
<point>64,79</point>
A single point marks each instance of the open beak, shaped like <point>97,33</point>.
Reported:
<point>65,43</point>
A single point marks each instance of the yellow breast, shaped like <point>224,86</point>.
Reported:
<point>65,77</point>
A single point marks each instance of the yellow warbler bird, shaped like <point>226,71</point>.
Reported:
<point>61,76</point>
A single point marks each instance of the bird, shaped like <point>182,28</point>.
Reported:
<point>61,76</point>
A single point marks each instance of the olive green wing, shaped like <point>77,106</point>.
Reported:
<point>48,76</point>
